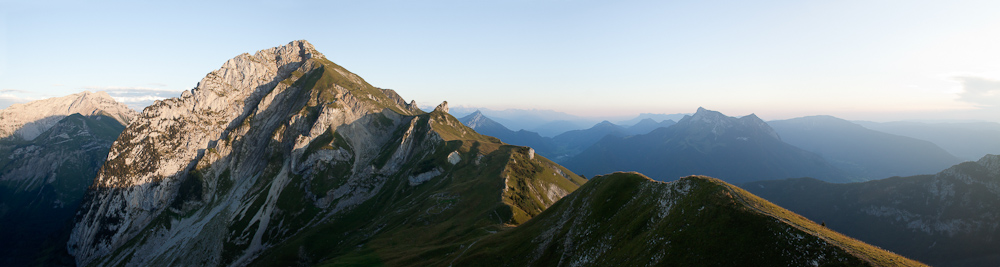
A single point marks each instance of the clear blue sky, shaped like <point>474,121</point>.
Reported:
<point>861,60</point>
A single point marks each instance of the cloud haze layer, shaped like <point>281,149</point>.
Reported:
<point>136,97</point>
<point>979,90</point>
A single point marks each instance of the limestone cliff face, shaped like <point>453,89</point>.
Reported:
<point>27,121</point>
<point>268,146</point>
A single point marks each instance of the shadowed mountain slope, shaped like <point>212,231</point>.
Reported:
<point>946,219</point>
<point>42,182</point>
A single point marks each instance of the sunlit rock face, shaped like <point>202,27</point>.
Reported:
<point>282,141</point>
<point>27,121</point>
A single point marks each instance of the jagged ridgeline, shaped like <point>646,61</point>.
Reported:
<point>285,158</point>
<point>627,219</point>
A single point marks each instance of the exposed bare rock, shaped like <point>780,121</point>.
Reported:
<point>275,143</point>
<point>26,121</point>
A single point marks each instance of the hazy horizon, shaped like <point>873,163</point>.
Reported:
<point>856,60</point>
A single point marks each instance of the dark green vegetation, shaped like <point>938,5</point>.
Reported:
<point>708,143</point>
<point>947,219</point>
<point>42,182</point>
<point>864,153</point>
<point>627,219</point>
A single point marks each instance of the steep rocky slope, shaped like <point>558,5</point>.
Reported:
<point>43,180</point>
<point>26,121</point>
<point>627,219</point>
<point>285,158</point>
<point>709,143</point>
<point>946,219</point>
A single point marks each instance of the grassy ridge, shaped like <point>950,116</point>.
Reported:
<point>626,219</point>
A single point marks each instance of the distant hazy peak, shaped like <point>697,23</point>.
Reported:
<point>605,124</point>
<point>30,119</point>
<point>477,121</point>
<point>823,120</point>
<point>720,122</point>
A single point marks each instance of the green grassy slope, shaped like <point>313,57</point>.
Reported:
<point>627,219</point>
<point>422,225</point>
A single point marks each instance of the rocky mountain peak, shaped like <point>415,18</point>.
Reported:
<point>605,124</point>
<point>647,121</point>
<point>477,114</point>
<point>269,145</point>
<point>719,123</point>
<point>708,117</point>
<point>26,121</point>
<point>477,120</point>
<point>443,107</point>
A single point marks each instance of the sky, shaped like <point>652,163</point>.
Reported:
<point>877,60</point>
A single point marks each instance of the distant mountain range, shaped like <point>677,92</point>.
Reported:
<point>562,146</point>
<point>865,153</point>
<point>548,123</point>
<point>707,143</point>
<point>483,125</point>
<point>647,125</point>
<point>945,219</point>
<point>968,141</point>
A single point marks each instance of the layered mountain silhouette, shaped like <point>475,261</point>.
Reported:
<point>648,125</point>
<point>562,146</point>
<point>708,143</point>
<point>865,153</point>
<point>627,219</point>
<point>968,141</point>
<point>484,125</point>
<point>945,219</point>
